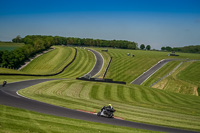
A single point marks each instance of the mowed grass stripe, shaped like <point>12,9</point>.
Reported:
<point>127,68</point>
<point>83,64</point>
<point>51,62</point>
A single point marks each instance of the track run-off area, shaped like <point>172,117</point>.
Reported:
<point>10,97</point>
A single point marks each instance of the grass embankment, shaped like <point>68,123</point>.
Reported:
<point>184,80</point>
<point>55,61</point>
<point>14,120</point>
<point>83,64</point>
<point>51,62</point>
<point>10,46</point>
<point>135,103</point>
<point>127,68</point>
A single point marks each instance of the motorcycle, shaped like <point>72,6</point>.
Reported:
<point>106,112</point>
<point>4,83</point>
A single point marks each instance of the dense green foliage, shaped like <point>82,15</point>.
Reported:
<point>14,120</point>
<point>57,40</point>
<point>132,102</point>
<point>17,57</point>
<point>142,46</point>
<point>186,49</point>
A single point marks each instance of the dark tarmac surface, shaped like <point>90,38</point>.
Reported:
<point>147,74</point>
<point>9,97</point>
<point>99,63</point>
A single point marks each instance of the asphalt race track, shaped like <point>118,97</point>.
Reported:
<point>98,64</point>
<point>9,97</point>
<point>152,70</point>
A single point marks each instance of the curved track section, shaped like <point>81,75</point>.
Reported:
<point>9,97</point>
<point>98,65</point>
<point>150,72</point>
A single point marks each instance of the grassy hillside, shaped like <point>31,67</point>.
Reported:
<point>191,73</point>
<point>9,45</point>
<point>127,68</point>
<point>6,70</point>
<point>51,62</point>
<point>135,103</point>
<point>14,120</point>
<point>82,65</point>
<point>184,80</point>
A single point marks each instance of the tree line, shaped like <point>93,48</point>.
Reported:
<point>185,49</point>
<point>16,58</point>
<point>37,43</point>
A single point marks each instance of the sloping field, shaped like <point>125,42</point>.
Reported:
<point>82,65</point>
<point>191,73</point>
<point>6,70</point>
<point>51,62</point>
<point>184,80</point>
<point>127,68</point>
<point>14,120</point>
<point>135,103</point>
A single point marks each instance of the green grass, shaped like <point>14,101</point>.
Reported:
<point>132,102</point>
<point>51,62</point>
<point>14,120</point>
<point>186,82</point>
<point>82,65</point>
<point>6,70</point>
<point>127,68</point>
<point>191,73</point>
<point>10,46</point>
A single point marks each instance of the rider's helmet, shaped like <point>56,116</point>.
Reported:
<point>110,105</point>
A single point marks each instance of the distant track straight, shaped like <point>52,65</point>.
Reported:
<point>151,71</point>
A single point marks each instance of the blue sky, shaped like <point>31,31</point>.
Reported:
<point>152,22</point>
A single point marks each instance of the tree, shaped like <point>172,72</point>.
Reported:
<point>142,46</point>
<point>148,47</point>
<point>168,48</point>
<point>18,39</point>
<point>163,48</point>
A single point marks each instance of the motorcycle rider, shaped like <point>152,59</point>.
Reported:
<point>107,111</point>
<point>4,83</point>
<point>109,107</point>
